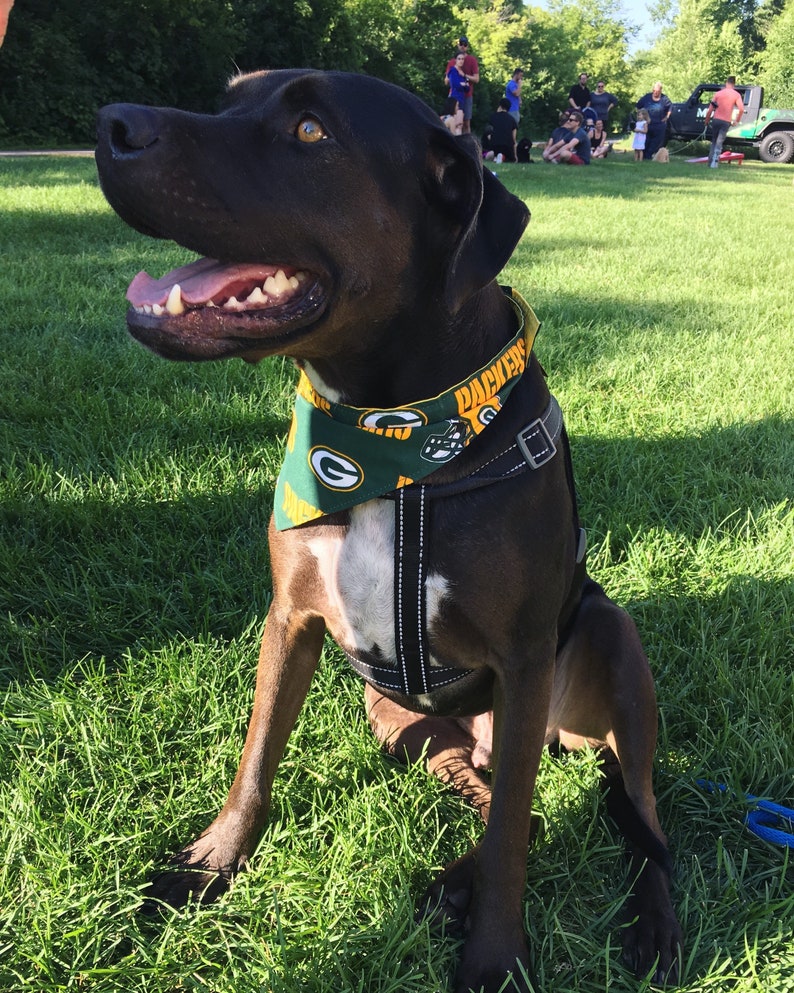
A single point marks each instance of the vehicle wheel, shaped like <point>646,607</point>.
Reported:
<point>777,146</point>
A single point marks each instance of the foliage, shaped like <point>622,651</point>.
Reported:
<point>62,59</point>
<point>570,38</point>
<point>778,59</point>
<point>698,46</point>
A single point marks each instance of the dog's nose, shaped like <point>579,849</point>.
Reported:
<point>128,128</point>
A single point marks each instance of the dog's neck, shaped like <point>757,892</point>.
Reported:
<point>420,356</point>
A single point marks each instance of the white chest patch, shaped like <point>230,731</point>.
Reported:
<point>358,573</point>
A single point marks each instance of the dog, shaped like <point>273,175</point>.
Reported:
<point>662,155</point>
<point>340,224</point>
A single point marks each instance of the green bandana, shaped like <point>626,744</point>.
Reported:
<point>339,456</point>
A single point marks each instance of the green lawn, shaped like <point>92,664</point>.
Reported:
<point>134,583</point>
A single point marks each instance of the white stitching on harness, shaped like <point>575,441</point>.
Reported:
<point>400,547</point>
<point>420,591</point>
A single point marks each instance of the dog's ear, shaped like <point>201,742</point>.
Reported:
<point>485,220</point>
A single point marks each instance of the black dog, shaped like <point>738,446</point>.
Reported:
<point>356,235</point>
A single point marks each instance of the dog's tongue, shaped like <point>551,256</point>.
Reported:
<point>199,281</point>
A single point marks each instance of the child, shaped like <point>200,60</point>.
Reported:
<point>640,133</point>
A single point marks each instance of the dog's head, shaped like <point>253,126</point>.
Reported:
<point>307,193</point>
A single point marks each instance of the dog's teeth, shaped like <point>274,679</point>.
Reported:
<point>147,308</point>
<point>232,304</point>
<point>277,285</point>
<point>174,304</point>
<point>157,310</point>
<point>294,282</point>
<point>257,296</point>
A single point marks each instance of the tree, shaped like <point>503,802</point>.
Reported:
<point>699,46</point>
<point>778,58</point>
<point>570,38</point>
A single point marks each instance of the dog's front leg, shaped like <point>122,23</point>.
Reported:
<point>496,944</point>
<point>288,658</point>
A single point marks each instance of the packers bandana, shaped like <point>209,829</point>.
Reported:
<point>339,456</point>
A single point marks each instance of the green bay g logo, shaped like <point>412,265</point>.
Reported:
<point>335,470</point>
<point>382,420</point>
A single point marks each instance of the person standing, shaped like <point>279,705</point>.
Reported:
<point>659,107</point>
<point>513,93</point>
<point>579,94</point>
<point>602,102</point>
<point>457,81</point>
<point>471,72</point>
<point>640,138</point>
<point>727,108</point>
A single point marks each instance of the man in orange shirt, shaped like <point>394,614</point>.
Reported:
<point>727,108</point>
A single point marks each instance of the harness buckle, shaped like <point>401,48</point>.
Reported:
<point>536,444</point>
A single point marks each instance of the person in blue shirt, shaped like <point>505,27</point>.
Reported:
<point>513,93</point>
<point>455,78</point>
<point>602,102</point>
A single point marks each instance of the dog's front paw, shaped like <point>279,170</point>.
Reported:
<point>200,873</point>
<point>652,944</point>
<point>177,885</point>
<point>498,965</point>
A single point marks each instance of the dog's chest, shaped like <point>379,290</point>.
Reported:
<point>357,572</point>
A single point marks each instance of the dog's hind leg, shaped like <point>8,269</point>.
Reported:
<point>447,748</point>
<point>288,657</point>
<point>608,697</point>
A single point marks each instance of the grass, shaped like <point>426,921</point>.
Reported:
<point>134,582</point>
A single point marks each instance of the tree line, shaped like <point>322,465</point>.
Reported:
<point>62,59</point>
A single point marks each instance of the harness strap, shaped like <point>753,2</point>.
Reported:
<point>534,445</point>
<point>410,532</point>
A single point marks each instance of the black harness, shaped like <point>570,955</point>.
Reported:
<point>533,447</point>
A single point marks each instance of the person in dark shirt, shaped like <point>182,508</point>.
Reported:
<point>579,95</point>
<point>575,147</point>
<point>659,107</point>
<point>500,134</point>
<point>602,102</point>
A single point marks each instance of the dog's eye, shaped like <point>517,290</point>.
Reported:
<point>310,130</point>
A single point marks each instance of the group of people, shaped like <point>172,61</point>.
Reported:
<point>461,76</point>
<point>581,134</point>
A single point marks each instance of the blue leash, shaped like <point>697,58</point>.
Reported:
<point>769,821</point>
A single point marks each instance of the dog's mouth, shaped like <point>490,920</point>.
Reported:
<point>209,309</point>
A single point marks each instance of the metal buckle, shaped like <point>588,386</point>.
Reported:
<point>536,434</point>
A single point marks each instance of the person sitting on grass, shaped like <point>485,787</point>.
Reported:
<point>599,146</point>
<point>576,149</point>
<point>499,139</point>
<point>558,137</point>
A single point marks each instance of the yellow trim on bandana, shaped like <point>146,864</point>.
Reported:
<point>338,456</point>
